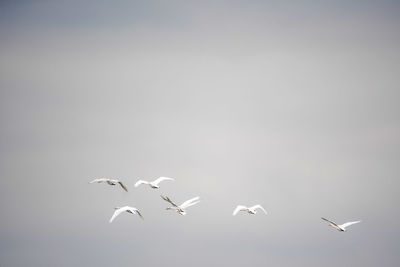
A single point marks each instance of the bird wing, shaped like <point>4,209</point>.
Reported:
<point>141,182</point>
<point>328,221</point>
<point>191,204</point>
<point>239,208</point>
<point>98,180</point>
<point>169,200</point>
<point>123,186</point>
<point>136,211</point>
<point>259,207</point>
<point>117,212</point>
<point>187,202</point>
<point>159,180</point>
<point>348,224</point>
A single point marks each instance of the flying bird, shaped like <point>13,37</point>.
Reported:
<point>119,210</point>
<point>110,182</point>
<point>181,209</point>
<point>341,227</point>
<point>155,183</point>
<point>250,210</point>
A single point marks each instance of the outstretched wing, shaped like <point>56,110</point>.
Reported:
<point>136,211</point>
<point>328,221</point>
<point>348,224</point>
<point>259,207</point>
<point>98,180</point>
<point>239,208</point>
<point>169,200</point>
<point>191,204</point>
<point>141,182</point>
<point>123,186</point>
<point>116,213</point>
<point>188,202</point>
<point>159,180</point>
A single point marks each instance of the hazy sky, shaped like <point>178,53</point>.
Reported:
<point>291,105</point>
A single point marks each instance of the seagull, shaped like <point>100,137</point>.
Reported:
<point>250,210</point>
<point>155,183</point>
<point>181,208</point>
<point>119,210</point>
<point>341,227</point>
<point>109,181</point>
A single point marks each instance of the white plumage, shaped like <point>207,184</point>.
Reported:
<point>250,210</point>
<point>119,210</point>
<point>181,209</point>
<point>110,182</point>
<point>154,184</point>
<point>340,227</point>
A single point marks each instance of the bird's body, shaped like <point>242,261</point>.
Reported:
<point>110,182</point>
<point>154,184</point>
<point>250,210</point>
<point>119,210</point>
<point>340,227</point>
<point>181,209</point>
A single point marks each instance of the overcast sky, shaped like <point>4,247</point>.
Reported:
<point>291,105</point>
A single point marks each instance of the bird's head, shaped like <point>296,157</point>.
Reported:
<point>117,208</point>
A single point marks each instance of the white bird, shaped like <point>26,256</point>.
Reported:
<point>119,210</point>
<point>110,182</point>
<point>341,227</point>
<point>181,209</point>
<point>250,210</point>
<point>155,183</point>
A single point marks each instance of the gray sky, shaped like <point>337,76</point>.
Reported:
<point>291,105</point>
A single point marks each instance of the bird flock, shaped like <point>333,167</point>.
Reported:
<point>181,209</point>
